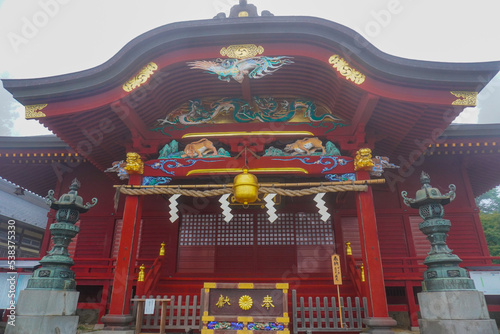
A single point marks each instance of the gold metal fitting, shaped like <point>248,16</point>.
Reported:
<point>141,273</point>
<point>348,250</point>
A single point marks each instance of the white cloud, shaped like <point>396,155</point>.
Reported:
<point>64,36</point>
<point>468,115</point>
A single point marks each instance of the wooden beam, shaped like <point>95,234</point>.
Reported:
<point>129,117</point>
<point>363,112</point>
<point>142,141</point>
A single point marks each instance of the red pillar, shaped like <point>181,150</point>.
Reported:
<point>119,309</point>
<point>371,257</point>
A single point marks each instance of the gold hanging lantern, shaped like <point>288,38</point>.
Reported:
<point>245,187</point>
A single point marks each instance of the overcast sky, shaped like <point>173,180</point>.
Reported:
<point>40,38</point>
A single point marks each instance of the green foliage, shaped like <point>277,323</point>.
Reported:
<point>489,204</point>
<point>491,226</point>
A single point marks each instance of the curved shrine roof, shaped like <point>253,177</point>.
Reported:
<point>115,107</point>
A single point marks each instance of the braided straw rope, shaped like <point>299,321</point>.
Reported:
<point>222,191</point>
<point>311,191</point>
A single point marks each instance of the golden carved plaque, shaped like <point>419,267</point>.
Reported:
<point>465,99</point>
<point>242,51</point>
<point>140,78</point>
<point>33,111</point>
<point>346,70</point>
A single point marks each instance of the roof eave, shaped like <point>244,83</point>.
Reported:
<point>144,48</point>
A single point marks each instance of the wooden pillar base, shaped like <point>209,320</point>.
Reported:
<point>117,322</point>
<point>380,325</point>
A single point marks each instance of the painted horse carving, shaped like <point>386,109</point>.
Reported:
<point>198,148</point>
<point>254,68</point>
<point>306,145</point>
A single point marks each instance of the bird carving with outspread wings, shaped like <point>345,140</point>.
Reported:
<point>254,68</point>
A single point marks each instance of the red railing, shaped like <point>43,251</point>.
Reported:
<point>94,268</point>
<point>354,273</point>
<point>151,279</point>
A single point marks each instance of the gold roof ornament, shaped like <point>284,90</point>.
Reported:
<point>465,98</point>
<point>343,67</point>
<point>162,249</point>
<point>242,51</point>
<point>33,111</point>
<point>140,78</point>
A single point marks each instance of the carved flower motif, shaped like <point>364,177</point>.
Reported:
<point>245,302</point>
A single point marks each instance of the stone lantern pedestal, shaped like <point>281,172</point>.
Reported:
<point>48,305</point>
<point>449,302</point>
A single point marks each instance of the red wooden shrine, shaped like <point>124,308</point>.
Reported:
<point>294,99</point>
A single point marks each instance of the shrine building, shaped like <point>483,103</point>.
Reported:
<point>331,128</point>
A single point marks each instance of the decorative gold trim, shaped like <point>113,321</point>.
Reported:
<point>254,170</point>
<point>162,249</point>
<point>247,133</point>
<point>465,98</point>
<point>207,318</point>
<point>140,78</point>
<point>244,319</point>
<point>284,286</point>
<point>207,331</point>
<point>284,320</point>
<point>245,285</point>
<point>346,70</point>
<point>32,111</point>
<point>242,51</point>
<point>209,285</point>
